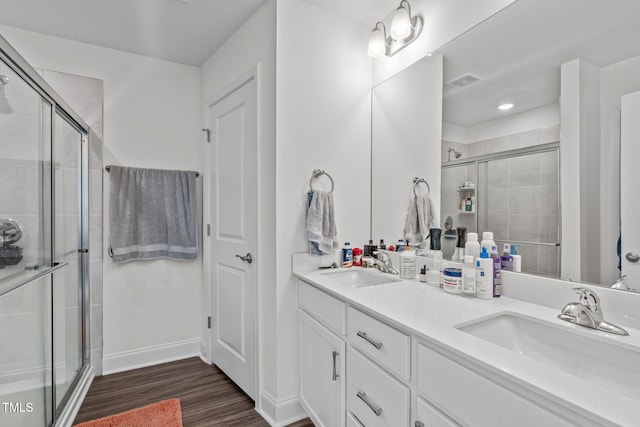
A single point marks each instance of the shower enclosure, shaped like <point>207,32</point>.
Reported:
<point>514,194</point>
<point>44,292</point>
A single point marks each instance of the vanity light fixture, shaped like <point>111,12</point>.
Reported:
<point>504,107</point>
<point>404,30</point>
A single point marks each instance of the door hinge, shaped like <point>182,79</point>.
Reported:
<point>208,229</point>
<point>208,131</point>
<point>209,322</point>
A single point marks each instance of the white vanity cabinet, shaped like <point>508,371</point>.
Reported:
<point>322,356</point>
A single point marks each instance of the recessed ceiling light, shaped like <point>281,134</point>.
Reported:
<point>504,107</point>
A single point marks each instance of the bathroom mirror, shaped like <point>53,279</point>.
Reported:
<point>518,54</point>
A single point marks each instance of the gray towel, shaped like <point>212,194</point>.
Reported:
<point>152,214</point>
<point>321,224</point>
<point>420,219</point>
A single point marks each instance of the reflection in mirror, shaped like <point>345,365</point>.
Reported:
<point>405,144</point>
<point>528,55</point>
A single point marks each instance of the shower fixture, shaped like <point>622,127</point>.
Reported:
<point>456,153</point>
<point>4,103</point>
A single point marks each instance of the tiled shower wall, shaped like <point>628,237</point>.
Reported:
<point>521,200</point>
<point>85,96</point>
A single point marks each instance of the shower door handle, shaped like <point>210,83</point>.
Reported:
<point>248,258</point>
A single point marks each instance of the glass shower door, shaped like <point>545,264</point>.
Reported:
<point>68,249</point>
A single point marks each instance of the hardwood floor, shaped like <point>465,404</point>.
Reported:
<point>207,396</point>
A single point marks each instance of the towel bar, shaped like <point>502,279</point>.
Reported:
<point>108,168</point>
<point>417,181</point>
<point>316,174</point>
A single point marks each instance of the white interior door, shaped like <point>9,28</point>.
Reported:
<point>629,178</point>
<point>233,163</point>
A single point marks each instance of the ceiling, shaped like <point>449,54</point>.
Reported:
<point>183,31</point>
<point>518,53</point>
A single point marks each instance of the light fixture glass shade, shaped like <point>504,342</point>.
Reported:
<point>401,24</point>
<point>377,43</point>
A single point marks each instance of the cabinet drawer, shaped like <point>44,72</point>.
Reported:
<point>475,400</point>
<point>431,417</point>
<point>352,421</point>
<point>374,396</point>
<point>383,343</point>
<point>323,306</point>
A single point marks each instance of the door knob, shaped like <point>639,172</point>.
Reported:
<point>632,257</point>
<point>248,258</point>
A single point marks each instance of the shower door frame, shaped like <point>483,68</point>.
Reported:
<point>63,413</point>
<point>481,194</point>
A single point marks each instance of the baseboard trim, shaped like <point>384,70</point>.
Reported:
<point>280,413</point>
<point>149,356</point>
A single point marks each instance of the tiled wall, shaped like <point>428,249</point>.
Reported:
<point>521,200</point>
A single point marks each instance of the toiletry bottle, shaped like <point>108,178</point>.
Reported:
<point>517,259</point>
<point>488,243</point>
<point>357,257</point>
<point>484,275</point>
<point>468,206</point>
<point>400,245</point>
<point>472,247</point>
<point>423,274</point>
<point>458,254</point>
<point>435,261</point>
<point>347,255</point>
<point>506,260</point>
<point>407,265</point>
<point>497,275</point>
<point>382,245</point>
<point>469,277</point>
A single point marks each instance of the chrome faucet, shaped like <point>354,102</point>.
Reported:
<point>383,263</point>
<point>623,284</point>
<point>588,312</point>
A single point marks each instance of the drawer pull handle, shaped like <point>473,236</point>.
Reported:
<point>335,375</point>
<point>376,409</point>
<point>365,337</point>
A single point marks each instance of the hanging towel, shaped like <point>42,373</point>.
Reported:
<point>321,225</point>
<point>152,214</point>
<point>420,218</point>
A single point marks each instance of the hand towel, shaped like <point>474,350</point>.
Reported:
<point>321,226</point>
<point>420,219</point>
<point>152,214</point>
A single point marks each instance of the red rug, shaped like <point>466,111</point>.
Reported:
<point>162,414</point>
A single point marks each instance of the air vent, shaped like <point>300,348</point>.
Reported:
<point>464,80</point>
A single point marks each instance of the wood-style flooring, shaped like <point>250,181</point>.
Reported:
<point>207,396</point>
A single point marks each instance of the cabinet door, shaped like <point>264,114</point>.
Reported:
<point>321,373</point>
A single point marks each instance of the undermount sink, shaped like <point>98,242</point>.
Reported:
<point>612,366</point>
<point>356,278</point>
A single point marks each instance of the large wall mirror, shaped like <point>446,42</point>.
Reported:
<point>545,173</point>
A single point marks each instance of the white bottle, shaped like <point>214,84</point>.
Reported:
<point>487,242</point>
<point>472,247</point>
<point>517,259</point>
<point>407,265</point>
<point>484,275</point>
<point>434,265</point>
<point>469,277</point>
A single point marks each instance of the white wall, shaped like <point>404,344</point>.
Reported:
<point>152,119</point>
<point>616,80</point>
<point>255,42</point>
<point>323,121</point>
<point>444,20</point>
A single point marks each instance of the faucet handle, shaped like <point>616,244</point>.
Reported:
<point>588,298</point>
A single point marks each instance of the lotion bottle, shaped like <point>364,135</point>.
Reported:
<point>469,277</point>
<point>407,265</point>
<point>484,275</point>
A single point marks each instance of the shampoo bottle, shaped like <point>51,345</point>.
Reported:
<point>484,275</point>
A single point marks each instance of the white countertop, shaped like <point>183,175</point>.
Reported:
<point>432,315</point>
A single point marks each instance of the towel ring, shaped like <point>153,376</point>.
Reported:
<point>417,181</point>
<point>317,173</point>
